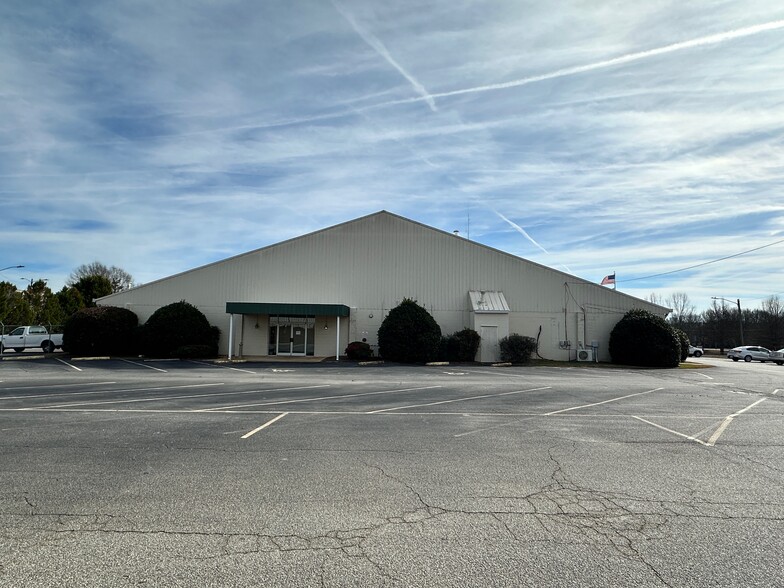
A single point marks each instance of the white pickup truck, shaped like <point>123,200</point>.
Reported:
<point>22,338</point>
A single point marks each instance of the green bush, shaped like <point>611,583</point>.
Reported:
<point>176,326</point>
<point>462,345</point>
<point>101,330</point>
<point>358,350</point>
<point>517,348</point>
<point>683,339</point>
<point>409,334</point>
<point>643,339</point>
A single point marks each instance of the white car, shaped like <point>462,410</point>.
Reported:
<point>749,353</point>
<point>695,351</point>
<point>777,356</point>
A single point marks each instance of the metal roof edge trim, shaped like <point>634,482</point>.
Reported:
<point>287,308</point>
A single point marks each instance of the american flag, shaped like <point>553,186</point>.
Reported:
<point>608,279</point>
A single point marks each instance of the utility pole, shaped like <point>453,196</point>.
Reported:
<point>740,314</point>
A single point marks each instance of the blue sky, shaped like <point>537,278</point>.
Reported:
<point>591,137</point>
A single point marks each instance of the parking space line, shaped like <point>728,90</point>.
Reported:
<point>539,373</point>
<point>728,420</point>
<point>602,402</point>
<point>689,437</point>
<point>776,391</point>
<point>68,364</point>
<point>149,367</point>
<point>516,421</point>
<point>225,367</point>
<point>127,400</point>
<point>54,386</point>
<point>456,400</point>
<point>264,426</point>
<point>313,398</point>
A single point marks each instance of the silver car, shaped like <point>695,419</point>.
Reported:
<point>777,356</point>
<point>749,353</point>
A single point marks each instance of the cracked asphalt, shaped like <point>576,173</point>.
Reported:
<point>133,473</point>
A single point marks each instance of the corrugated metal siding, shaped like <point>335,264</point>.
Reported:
<point>371,264</point>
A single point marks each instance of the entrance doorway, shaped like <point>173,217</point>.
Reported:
<point>489,344</point>
<point>291,335</point>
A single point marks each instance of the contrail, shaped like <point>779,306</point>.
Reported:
<point>520,230</point>
<point>628,58</point>
<point>376,44</point>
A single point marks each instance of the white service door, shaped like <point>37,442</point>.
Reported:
<point>489,344</point>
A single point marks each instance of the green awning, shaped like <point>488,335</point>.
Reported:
<point>289,308</point>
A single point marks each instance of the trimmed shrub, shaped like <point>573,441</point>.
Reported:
<point>643,339</point>
<point>409,334</point>
<point>683,339</point>
<point>462,345</point>
<point>178,326</point>
<point>358,350</point>
<point>517,348</point>
<point>101,330</point>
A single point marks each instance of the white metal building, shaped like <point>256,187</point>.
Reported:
<point>312,295</point>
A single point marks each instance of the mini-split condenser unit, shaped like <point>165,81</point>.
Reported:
<point>585,355</point>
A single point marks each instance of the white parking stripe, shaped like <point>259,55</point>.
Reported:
<point>456,400</point>
<point>210,395</point>
<point>143,365</point>
<point>602,402</point>
<point>54,386</point>
<point>217,365</point>
<point>314,398</point>
<point>96,402</point>
<point>689,437</point>
<point>264,426</point>
<point>728,420</point>
<point>68,364</point>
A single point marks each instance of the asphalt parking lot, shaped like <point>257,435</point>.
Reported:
<point>127,473</point>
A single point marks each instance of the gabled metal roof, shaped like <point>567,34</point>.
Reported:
<point>485,301</point>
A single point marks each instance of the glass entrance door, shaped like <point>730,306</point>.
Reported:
<point>298,335</point>
<point>284,339</point>
<point>291,335</point>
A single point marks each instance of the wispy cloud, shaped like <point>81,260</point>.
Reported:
<point>520,230</point>
<point>379,47</point>
<point>621,60</point>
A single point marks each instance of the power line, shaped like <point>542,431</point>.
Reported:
<point>683,269</point>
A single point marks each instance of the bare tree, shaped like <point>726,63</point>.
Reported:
<point>119,278</point>
<point>774,311</point>
<point>773,306</point>
<point>655,298</point>
<point>681,306</point>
